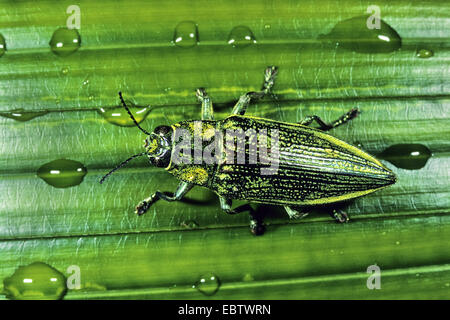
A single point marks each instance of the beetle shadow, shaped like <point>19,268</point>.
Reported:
<point>273,214</point>
<point>209,198</point>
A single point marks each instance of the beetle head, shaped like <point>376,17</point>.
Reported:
<point>158,146</point>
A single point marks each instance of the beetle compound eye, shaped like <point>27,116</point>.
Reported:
<point>162,130</point>
<point>161,161</point>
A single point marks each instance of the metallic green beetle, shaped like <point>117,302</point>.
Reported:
<point>312,167</point>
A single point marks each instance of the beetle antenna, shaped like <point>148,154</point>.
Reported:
<point>131,115</point>
<point>121,165</point>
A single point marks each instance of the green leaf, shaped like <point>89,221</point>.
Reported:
<point>129,46</point>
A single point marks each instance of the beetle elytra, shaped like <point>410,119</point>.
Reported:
<point>306,166</point>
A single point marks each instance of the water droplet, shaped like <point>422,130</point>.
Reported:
<point>120,117</point>
<point>65,41</point>
<point>85,82</point>
<point>358,144</point>
<point>190,224</point>
<point>241,36</point>
<point>90,98</point>
<point>208,284</point>
<point>407,156</point>
<point>248,278</point>
<point>62,173</point>
<point>267,26</point>
<point>2,45</point>
<point>65,71</point>
<point>424,53</point>
<point>22,115</point>
<point>186,34</point>
<point>36,281</point>
<point>397,242</point>
<point>353,34</point>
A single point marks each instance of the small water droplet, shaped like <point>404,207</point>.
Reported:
<point>358,144</point>
<point>353,34</point>
<point>120,117</point>
<point>36,281</point>
<point>424,53</point>
<point>2,45</point>
<point>407,156</point>
<point>62,173</point>
<point>85,82</point>
<point>190,224</point>
<point>90,98</point>
<point>241,36</point>
<point>248,277</point>
<point>186,34</point>
<point>65,41</point>
<point>65,71</point>
<point>208,284</point>
<point>397,242</point>
<point>22,115</point>
<point>447,284</point>
<point>267,26</point>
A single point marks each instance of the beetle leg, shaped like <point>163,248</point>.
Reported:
<point>257,226</point>
<point>295,213</point>
<point>339,215</point>
<point>269,80</point>
<point>327,126</point>
<point>207,107</point>
<point>179,193</point>
<point>225,205</point>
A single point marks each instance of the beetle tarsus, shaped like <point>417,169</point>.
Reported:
<point>340,216</point>
<point>257,226</point>
<point>269,80</point>
<point>295,213</point>
<point>201,94</point>
<point>143,207</point>
<point>353,113</point>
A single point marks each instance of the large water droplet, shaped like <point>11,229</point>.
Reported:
<point>353,34</point>
<point>120,117</point>
<point>22,115</point>
<point>208,284</point>
<point>62,173</point>
<point>36,281</point>
<point>186,34</point>
<point>407,156</point>
<point>424,53</point>
<point>65,41</point>
<point>241,36</point>
<point>2,45</point>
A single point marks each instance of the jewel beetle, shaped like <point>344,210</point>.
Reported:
<point>295,166</point>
